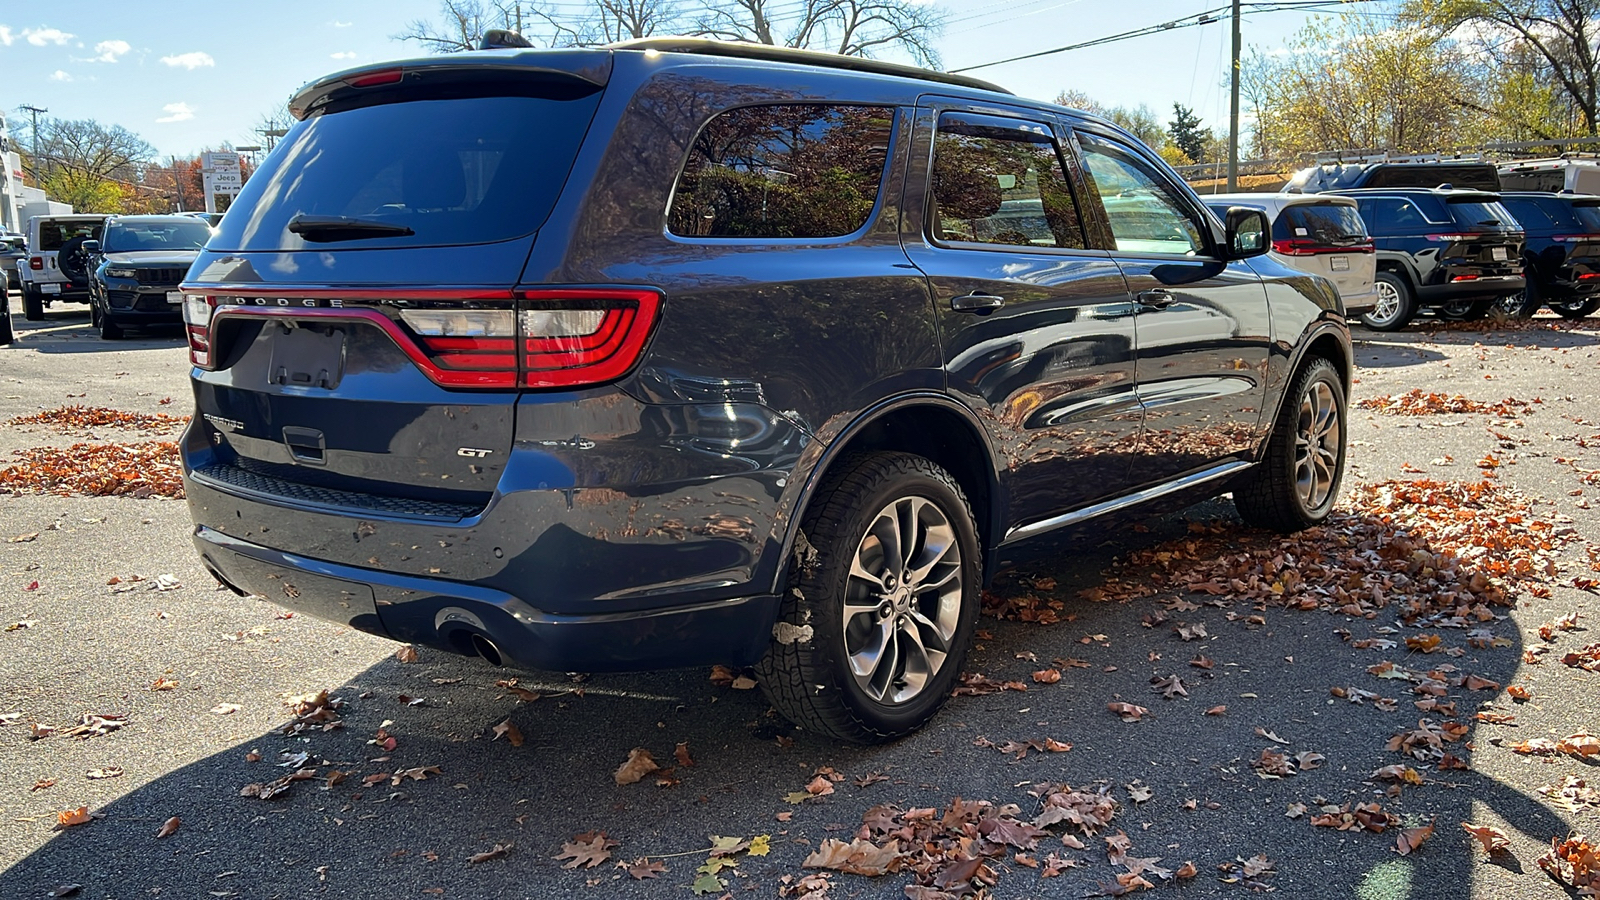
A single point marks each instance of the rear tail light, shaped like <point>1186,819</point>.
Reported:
<point>1465,278</point>
<point>1457,237</point>
<point>482,342</point>
<point>584,336</point>
<point>1575,238</point>
<point>1589,276</point>
<point>197,325</point>
<point>1304,247</point>
<point>36,263</point>
<point>556,338</point>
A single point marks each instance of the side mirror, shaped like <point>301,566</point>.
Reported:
<point>1247,232</point>
<point>91,247</point>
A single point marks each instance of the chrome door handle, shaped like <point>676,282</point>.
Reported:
<point>1155,299</point>
<point>976,303</point>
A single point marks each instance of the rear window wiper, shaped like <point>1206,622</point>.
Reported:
<point>326,229</point>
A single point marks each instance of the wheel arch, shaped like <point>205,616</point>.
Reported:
<point>929,425</point>
<point>1326,340</point>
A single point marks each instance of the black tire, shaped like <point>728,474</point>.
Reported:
<point>1392,312</point>
<point>1575,309</point>
<point>32,304</point>
<point>1466,310</point>
<point>1270,497</point>
<point>1522,305</point>
<point>109,330</point>
<point>806,673</point>
<point>7,335</point>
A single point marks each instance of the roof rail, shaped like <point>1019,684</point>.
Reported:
<point>747,50</point>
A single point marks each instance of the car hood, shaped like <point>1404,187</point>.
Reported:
<point>153,257</point>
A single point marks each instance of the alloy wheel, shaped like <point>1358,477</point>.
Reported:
<point>1317,445</point>
<point>1388,306</point>
<point>903,600</point>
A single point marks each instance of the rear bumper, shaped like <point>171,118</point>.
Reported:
<point>448,615</point>
<point>1487,286</point>
<point>1359,303</point>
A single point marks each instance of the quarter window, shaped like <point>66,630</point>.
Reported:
<point>783,171</point>
<point>1144,214</point>
<point>998,183</point>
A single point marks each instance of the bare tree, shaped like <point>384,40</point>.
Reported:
<point>88,148</point>
<point>847,27</point>
<point>460,27</point>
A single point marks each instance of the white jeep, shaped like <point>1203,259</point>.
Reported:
<point>57,268</point>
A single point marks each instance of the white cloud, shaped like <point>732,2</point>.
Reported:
<point>338,24</point>
<point>110,50</point>
<point>60,75</point>
<point>41,36</point>
<point>190,61</point>
<point>179,112</point>
<point>348,54</point>
<point>6,37</point>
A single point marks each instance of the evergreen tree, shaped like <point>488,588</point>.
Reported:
<point>1187,135</point>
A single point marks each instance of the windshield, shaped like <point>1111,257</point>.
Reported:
<point>129,237</point>
<point>458,171</point>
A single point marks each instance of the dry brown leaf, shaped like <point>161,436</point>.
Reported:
<point>859,857</point>
<point>1216,710</point>
<point>1047,676</point>
<point>514,734</point>
<point>1493,839</point>
<point>499,851</point>
<point>643,868</point>
<point>1128,711</point>
<point>682,755</point>
<point>1411,838</point>
<point>819,786</point>
<point>638,765</point>
<point>70,817</point>
<point>406,654</point>
<point>169,826</point>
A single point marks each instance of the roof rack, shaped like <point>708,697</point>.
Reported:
<point>747,50</point>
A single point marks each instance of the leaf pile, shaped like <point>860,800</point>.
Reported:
<point>1574,863</point>
<point>139,470</point>
<point>1417,402</point>
<point>79,418</point>
<point>1442,551</point>
<point>950,853</point>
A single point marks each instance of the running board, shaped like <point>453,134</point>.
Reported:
<point>1023,532</point>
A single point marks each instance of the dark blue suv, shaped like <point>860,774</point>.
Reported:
<point>1561,255</point>
<point>675,353</point>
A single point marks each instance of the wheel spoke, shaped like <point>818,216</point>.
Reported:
<point>858,569</point>
<point>866,663</point>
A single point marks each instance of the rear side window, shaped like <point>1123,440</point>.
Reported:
<point>783,171</point>
<point>468,170</point>
<point>1536,216</point>
<point>53,234</point>
<point>1386,215</point>
<point>1588,214</point>
<point>1323,223</point>
<point>999,181</point>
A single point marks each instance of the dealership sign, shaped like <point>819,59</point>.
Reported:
<point>222,176</point>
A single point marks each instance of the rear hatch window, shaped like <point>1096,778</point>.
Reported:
<point>53,234</point>
<point>425,172</point>
<point>1326,224</point>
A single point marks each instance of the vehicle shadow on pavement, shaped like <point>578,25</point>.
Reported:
<point>381,835</point>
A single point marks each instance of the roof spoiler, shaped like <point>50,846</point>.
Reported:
<point>503,39</point>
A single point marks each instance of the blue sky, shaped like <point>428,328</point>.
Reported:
<point>189,81</point>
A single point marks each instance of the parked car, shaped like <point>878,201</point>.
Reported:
<point>57,267</point>
<point>13,254</point>
<point>1455,251</point>
<point>7,335</point>
<point>1576,176</point>
<point>1561,255</point>
<point>673,352</point>
<point>1317,233</point>
<point>1460,174</point>
<point>137,266</point>
<point>211,218</point>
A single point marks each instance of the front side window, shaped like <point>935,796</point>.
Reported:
<point>1144,214</point>
<point>995,182</point>
<point>783,171</point>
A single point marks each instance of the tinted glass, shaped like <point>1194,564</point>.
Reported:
<point>1145,216</point>
<point>53,234</point>
<point>1478,178</point>
<point>1535,216</point>
<point>1001,185</point>
<point>1386,215</point>
<point>1323,223</point>
<point>1588,218</point>
<point>1483,215</point>
<point>787,171</point>
<point>127,237</point>
<point>459,171</point>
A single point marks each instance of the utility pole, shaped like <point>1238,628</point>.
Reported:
<point>1233,109</point>
<point>35,111</point>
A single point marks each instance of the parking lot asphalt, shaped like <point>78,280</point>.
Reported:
<point>203,683</point>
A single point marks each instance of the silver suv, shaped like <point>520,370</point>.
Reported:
<point>1320,234</point>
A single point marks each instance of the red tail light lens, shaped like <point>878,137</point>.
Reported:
<point>36,263</point>
<point>584,336</point>
<point>474,346</point>
<point>1575,238</point>
<point>373,79</point>
<point>197,309</point>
